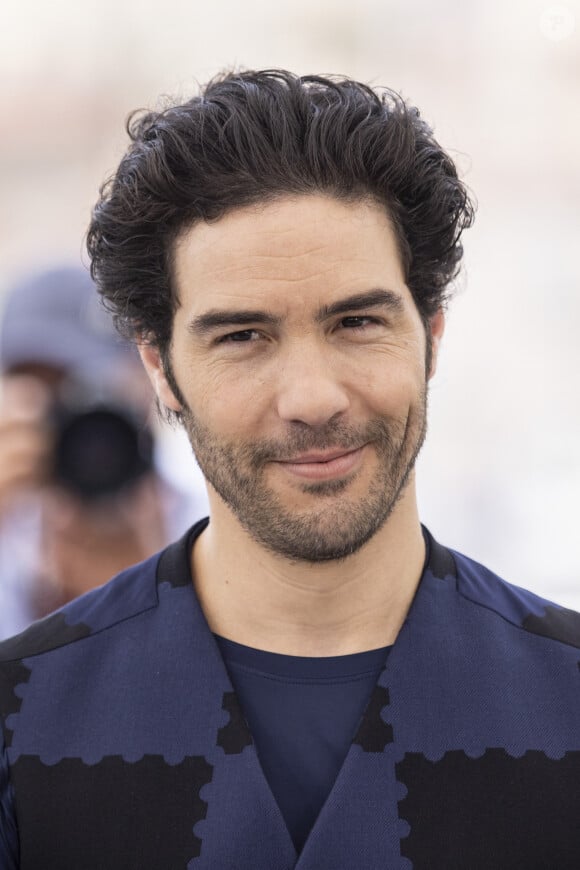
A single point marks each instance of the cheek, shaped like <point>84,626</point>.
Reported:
<point>391,385</point>
<point>396,399</point>
<point>231,407</point>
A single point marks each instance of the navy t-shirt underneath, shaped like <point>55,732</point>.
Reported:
<point>303,714</point>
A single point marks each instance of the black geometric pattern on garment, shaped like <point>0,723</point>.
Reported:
<point>373,734</point>
<point>440,560</point>
<point>49,633</point>
<point>12,674</point>
<point>173,566</point>
<point>235,736</point>
<point>115,814</point>
<point>495,812</point>
<point>558,623</point>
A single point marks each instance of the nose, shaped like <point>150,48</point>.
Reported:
<point>310,388</point>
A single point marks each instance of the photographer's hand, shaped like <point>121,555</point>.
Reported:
<point>24,440</point>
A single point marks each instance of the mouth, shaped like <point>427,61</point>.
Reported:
<point>324,464</point>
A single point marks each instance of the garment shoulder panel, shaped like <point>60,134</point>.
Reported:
<point>126,595</point>
<point>522,608</point>
<point>130,593</point>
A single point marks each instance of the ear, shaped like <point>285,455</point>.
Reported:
<point>151,359</point>
<point>436,326</point>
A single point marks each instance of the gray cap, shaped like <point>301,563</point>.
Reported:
<point>56,318</point>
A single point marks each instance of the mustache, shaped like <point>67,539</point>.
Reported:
<point>337,436</point>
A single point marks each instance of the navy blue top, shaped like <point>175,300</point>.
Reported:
<point>303,714</point>
<point>123,745</point>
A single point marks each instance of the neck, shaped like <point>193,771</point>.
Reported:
<point>259,599</point>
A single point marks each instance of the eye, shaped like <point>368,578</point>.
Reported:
<point>239,337</point>
<point>358,321</point>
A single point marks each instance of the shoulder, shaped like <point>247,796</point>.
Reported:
<point>125,596</point>
<point>110,607</point>
<point>518,607</point>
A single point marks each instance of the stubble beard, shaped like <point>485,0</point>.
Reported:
<point>333,528</point>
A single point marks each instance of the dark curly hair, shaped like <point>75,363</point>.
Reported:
<point>251,137</point>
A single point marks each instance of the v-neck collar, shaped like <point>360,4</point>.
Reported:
<point>374,734</point>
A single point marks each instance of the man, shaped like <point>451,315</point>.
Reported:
<point>307,680</point>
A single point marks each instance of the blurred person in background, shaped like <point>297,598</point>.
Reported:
<point>80,496</point>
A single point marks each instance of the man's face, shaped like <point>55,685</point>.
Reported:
<point>300,359</point>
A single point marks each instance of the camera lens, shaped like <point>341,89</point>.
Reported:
<point>100,451</point>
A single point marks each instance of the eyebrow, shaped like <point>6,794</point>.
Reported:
<point>216,318</point>
<point>372,299</point>
<point>205,323</point>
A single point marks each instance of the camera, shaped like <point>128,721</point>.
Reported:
<point>100,448</point>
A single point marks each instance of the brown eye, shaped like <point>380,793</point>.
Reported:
<point>356,322</point>
<point>243,335</point>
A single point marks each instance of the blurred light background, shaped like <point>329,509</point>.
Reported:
<point>500,475</point>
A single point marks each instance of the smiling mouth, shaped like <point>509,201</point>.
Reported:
<point>323,465</point>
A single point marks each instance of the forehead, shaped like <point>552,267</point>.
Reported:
<point>294,249</point>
